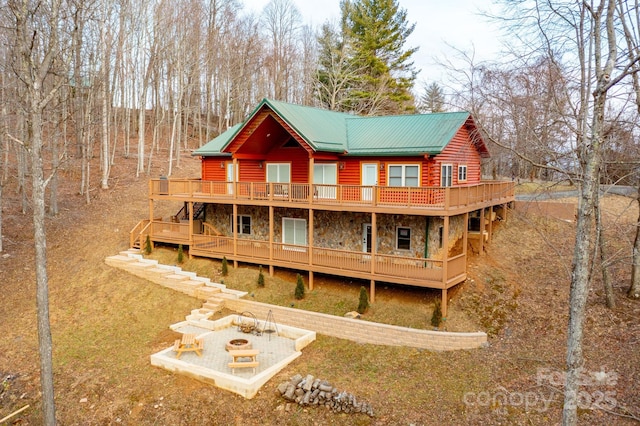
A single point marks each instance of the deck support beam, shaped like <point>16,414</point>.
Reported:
<point>372,291</point>
<point>443,303</point>
<point>445,251</point>
<point>234,223</point>
<point>490,224</point>
<point>482,229</point>
<point>190,207</point>
<point>310,280</point>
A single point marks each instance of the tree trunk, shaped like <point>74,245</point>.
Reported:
<point>634,288</point>
<point>604,262</point>
<point>589,155</point>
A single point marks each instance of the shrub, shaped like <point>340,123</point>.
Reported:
<point>364,301</point>
<point>260,277</point>
<point>147,245</point>
<point>225,266</point>
<point>436,318</point>
<point>180,253</point>
<point>299,288</point>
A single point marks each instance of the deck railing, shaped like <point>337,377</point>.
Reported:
<point>350,195</point>
<point>337,261</point>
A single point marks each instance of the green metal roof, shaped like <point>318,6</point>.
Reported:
<point>403,134</point>
<point>323,129</point>
<point>331,131</point>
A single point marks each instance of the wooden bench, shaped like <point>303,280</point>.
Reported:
<point>237,354</point>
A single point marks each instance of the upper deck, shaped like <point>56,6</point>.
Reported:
<point>425,201</point>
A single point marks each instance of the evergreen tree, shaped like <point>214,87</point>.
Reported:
<point>299,293</point>
<point>180,253</point>
<point>364,301</point>
<point>225,266</point>
<point>432,100</point>
<point>377,31</point>
<point>260,277</point>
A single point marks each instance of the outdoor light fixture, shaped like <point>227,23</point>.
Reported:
<point>381,166</point>
<point>222,164</point>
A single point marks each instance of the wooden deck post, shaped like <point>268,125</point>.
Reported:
<point>482,229</point>
<point>234,223</point>
<point>310,239</point>
<point>374,240</point>
<point>443,303</point>
<point>190,207</point>
<point>490,224</point>
<point>271,241</point>
<point>310,280</point>
<point>372,291</point>
<point>445,251</point>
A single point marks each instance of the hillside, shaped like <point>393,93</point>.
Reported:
<point>106,323</point>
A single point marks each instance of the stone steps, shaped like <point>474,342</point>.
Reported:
<point>175,278</point>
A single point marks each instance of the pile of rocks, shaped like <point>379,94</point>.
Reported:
<point>311,391</point>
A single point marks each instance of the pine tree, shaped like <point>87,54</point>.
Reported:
<point>180,253</point>
<point>432,100</point>
<point>225,267</point>
<point>299,294</point>
<point>147,245</point>
<point>260,277</point>
<point>377,31</point>
<point>364,301</point>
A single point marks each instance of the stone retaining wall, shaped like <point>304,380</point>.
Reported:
<point>361,331</point>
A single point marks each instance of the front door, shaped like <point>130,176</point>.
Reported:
<point>230,177</point>
<point>369,179</point>
<point>366,237</point>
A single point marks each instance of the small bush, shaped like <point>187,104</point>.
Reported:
<point>225,267</point>
<point>299,288</point>
<point>260,277</point>
<point>364,301</point>
<point>436,318</point>
<point>147,245</point>
<point>180,254</point>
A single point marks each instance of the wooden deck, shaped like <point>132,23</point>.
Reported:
<point>418,272</point>
<point>380,199</point>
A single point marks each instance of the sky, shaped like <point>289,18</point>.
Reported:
<point>439,23</point>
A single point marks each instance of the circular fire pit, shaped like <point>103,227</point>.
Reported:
<point>238,344</point>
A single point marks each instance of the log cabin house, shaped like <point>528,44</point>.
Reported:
<point>395,199</point>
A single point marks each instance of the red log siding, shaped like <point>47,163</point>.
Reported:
<point>298,158</point>
<point>460,151</point>
<point>211,169</point>
<point>350,173</point>
<point>250,171</point>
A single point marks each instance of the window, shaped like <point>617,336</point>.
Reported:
<point>243,225</point>
<point>445,175</point>
<point>294,231</point>
<point>462,173</point>
<point>404,175</point>
<point>280,175</point>
<point>325,174</point>
<point>403,238</point>
<point>278,172</point>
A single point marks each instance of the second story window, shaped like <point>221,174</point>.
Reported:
<point>404,175</point>
<point>462,173</point>
<point>279,172</point>
<point>446,173</point>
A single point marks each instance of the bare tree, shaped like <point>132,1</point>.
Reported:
<point>36,44</point>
